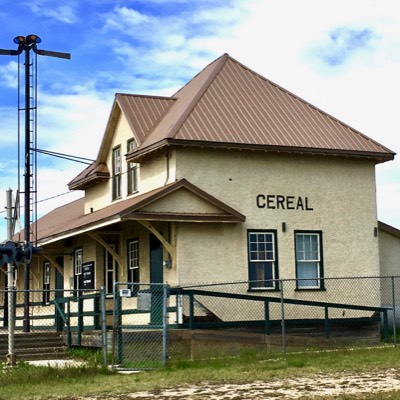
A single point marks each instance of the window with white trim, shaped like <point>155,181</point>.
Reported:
<point>133,261</point>
<point>78,260</point>
<point>110,270</point>
<point>117,172</point>
<point>309,265</point>
<point>46,282</point>
<point>262,259</point>
<point>132,169</point>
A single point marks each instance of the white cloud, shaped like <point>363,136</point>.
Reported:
<point>155,46</point>
<point>74,124</point>
<point>9,75</point>
<point>56,10</point>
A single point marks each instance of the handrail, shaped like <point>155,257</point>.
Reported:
<point>268,299</point>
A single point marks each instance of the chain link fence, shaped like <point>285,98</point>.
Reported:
<point>144,326</point>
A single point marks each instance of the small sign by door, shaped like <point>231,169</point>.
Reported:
<point>88,275</point>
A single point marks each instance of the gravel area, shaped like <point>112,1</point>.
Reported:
<point>295,388</point>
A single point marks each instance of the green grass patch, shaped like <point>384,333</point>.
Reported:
<point>40,383</point>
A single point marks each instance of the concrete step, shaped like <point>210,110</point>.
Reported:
<point>35,346</point>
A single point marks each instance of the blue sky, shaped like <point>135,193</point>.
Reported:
<point>341,56</point>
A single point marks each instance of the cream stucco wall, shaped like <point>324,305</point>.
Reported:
<point>152,173</point>
<point>340,192</point>
<point>389,253</point>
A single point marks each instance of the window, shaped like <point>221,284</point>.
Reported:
<point>78,259</point>
<point>309,267</point>
<point>133,264</point>
<point>46,282</point>
<point>110,270</point>
<point>116,177</point>
<point>263,264</point>
<point>132,170</point>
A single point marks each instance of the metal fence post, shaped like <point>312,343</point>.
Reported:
<point>118,326</point>
<point>165,325</point>
<point>68,320</point>
<point>283,320</point>
<point>103,324</point>
<point>394,313</point>
<point>80,321</point>
<point>191,311</point>
<point>11,361</point>
<point>267,329</point>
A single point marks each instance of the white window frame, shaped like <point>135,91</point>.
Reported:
<point>117,173</point>
<point>113,270</point>
<point>46,282</point>
<point>133,258</point>
<point>309,251</point>
<point>46,273</point>
<point>262,254</point>
<point>78,261</point>
<point>132,169</point>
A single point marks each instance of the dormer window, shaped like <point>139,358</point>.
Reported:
<point>132,170</point>
<point>116,176</point>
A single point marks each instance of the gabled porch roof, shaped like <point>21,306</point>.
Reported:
<point>180,201</point>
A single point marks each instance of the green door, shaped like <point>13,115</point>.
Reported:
<point>156,278</point>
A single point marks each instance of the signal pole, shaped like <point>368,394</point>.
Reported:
<point>26,44</point>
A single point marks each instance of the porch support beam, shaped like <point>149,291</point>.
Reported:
<point>168,246</point>
<point>100,240</point>
<point>3,269</point>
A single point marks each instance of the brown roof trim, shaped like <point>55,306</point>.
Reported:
<point>389,229</point>
<point>70,220</point>
<point>90,175</point>
<point>379,157</point>
<point>113,219</point>
<point>181,217</point>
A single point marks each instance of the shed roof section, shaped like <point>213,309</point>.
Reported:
<point>173,202</point>
<point>227,104</point>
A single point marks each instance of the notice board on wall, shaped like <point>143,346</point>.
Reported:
<point>88,275</point>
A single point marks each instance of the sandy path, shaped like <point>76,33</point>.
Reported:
<point>318,385</point>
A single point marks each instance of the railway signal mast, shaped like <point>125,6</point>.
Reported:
<point>25,45</point>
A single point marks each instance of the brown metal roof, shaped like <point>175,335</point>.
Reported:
<point>143,112</point>
<point>227,104</point>
<point>70,219</point>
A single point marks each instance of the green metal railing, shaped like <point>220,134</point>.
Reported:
<point>266,300</point>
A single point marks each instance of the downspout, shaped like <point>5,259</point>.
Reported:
<point>167,166</point>
<point>170,258</point>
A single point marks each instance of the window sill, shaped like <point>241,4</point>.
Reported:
<point>256,290</point>
<point>310,290</point>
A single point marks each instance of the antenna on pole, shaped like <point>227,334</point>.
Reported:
<point>26,44</point>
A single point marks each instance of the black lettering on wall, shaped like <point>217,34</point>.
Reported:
<point>260,200</point>
<point>281,202</point>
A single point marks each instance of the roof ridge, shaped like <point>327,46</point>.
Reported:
<point>219,63</point>
<point>148,96</point>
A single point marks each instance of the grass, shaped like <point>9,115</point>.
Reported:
<point>29,382</point>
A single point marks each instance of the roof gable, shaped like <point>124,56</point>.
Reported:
<point>182,201</point>
<point>142,114</point>
<point>176,201</point>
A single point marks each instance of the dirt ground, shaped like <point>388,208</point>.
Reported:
<point>295,388</point>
